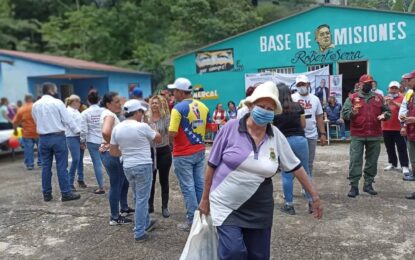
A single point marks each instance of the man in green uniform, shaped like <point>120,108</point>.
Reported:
<point>365,110</point>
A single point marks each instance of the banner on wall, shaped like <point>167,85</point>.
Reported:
<point>255,79</point>
<point>289,79</point>
<point>336,87</point>
<point>214,61</point>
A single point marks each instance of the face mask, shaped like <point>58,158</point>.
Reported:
<point>262,116</point>
<point>367,88</point>
<point>394,95</point>
<point>302,90</point>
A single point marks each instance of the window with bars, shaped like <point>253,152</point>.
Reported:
<point>283,70</point>
<point>319,66</point>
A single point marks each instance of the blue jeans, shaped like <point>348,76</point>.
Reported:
<point>243,243</point>
<point>118,184</point>
<point>299,145</point>
<point>50,145</point>
<point>96,161</point>
<point>190,171</point>
<point>140,178</point>
<point>29,147</point>
<point>77,154</point>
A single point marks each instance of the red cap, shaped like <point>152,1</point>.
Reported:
<point>365,78</point>
<point>409,75</point>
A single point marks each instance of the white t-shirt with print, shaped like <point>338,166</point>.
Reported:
<point>312,108</point>
<point>134,140</point>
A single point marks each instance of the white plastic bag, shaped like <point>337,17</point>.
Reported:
<point>202,243</point>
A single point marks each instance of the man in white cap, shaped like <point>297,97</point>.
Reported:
<point>313,116</point>
<point>187,127</point>
<point>132,139</point>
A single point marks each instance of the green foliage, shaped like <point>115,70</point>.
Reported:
<point>140,34</point>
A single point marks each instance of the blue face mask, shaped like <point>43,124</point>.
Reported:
<point>262,116</point>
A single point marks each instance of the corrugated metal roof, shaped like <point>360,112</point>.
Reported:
<point>68,62</point>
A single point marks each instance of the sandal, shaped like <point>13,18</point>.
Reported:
<point>99,191</point>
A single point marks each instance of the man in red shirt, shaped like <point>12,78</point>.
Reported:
<point>365,110</point>
<point>29,134</point>
<point>391,131</point>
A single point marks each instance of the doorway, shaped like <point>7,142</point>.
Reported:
<point>66,91</point>
<point>351,73</point>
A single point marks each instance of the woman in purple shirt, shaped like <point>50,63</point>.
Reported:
<point>238,186</point>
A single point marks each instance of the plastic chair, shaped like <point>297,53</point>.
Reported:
<point>337,128</point>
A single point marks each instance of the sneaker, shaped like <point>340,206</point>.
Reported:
<point>29,168</point>
<point>289,209</point>
<point>369,189</point>
<point>120,221</point>
<point>127,212</point>
<point>142,238</point>
<point>70,196</point>
<point>165,212</point>
<point>409,177</point>
<point>82,184</point>
<point>411,196</point>
<point>390,167</point>
<point>310,208</point>
<point>47,196</point>
<point>354,191</point>
<point>186,226</point>
<point>99,191</point>
<point>405,171</point>
<point>152,225</point>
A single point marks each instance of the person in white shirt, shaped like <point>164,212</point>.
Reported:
<point>118,183</point>
<point>52,118</point>
<point>313,116</point>
<point>91,135</point>
<point>132,140</point>
<point>73,141</point>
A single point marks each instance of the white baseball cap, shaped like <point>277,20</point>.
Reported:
<point>301,78</point>
<point>133,105</point>
<point>394,84</point>
<point>181,84</point>
<point>265,90</point>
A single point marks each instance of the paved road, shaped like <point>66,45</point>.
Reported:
<point>379,227</point>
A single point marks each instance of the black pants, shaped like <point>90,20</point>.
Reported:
<point>392,138</point>
<point>6,126</point>
<point>164,161</point>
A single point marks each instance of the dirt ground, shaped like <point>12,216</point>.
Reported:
<point>367,227</point>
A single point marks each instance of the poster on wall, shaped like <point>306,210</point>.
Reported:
<point>336,87</point>
<point>322,89</point>
<point>214,61</point>
<point>289,79</point>
<point>255,79</point>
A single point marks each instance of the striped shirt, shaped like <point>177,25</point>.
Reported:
<point>162,126</point>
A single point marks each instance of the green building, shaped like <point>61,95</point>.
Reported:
<point>351,41</point>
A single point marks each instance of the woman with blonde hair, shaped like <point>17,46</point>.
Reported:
<point>73,142</point>
<point>159,120</point>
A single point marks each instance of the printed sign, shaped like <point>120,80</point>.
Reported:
<point>214,61</point>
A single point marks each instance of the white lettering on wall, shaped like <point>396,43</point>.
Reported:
<point>371,33</point>
<point>392,31</point>
<point>402,33</point>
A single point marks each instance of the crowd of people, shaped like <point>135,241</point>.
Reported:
<point>272,129</point>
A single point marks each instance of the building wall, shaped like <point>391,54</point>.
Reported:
<point>119,82</point>
<point>80,86</point>
<point>389,54</point>
<point>13,80</point>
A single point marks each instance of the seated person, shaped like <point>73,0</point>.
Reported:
<point>333,110</point>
